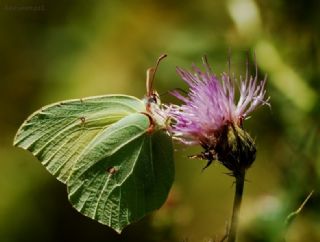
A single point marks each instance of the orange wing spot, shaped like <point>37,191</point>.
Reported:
<point>111,170</point>
<point>83,120</point>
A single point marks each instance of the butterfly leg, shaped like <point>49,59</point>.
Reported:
<point>151,127</point>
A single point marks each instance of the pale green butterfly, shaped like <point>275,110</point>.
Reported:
<point>116,162</point>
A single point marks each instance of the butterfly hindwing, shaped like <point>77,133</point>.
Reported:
<point>124,174</point>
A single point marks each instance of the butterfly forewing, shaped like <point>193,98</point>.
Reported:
<point>59,133</point>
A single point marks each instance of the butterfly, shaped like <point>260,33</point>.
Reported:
<point>116,164</point>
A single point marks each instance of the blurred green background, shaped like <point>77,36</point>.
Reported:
<point>51,51</point>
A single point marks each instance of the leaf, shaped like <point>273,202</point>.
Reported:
<point>115,170</point>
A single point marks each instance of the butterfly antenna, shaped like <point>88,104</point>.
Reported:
<point>150,75</point>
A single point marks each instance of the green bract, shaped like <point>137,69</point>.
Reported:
<point>115,169</point>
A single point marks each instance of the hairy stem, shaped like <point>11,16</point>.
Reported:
<point>236,206</point>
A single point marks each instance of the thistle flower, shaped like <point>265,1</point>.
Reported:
<point>212,117</point>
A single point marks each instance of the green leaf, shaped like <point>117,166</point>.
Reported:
<point>115,170</point>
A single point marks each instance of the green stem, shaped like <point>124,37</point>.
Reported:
<point>236,206</point>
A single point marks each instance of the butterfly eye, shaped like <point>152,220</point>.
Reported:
<point>153,99</point>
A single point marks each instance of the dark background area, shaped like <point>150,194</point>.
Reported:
<point>51,51</point>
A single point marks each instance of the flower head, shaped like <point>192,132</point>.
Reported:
<point>211,110</point>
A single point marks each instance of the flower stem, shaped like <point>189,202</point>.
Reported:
<point>236,205</point>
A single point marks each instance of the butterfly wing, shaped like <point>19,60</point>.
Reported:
<point>124,173</point>
<point>115,170</point>
<point>59,133</point>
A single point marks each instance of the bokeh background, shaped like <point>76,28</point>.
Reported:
<point>57,50</point>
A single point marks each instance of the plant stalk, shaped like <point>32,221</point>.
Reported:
<point>240,177</point>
